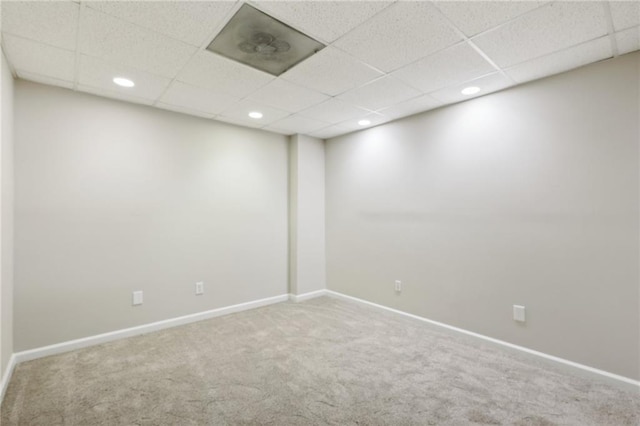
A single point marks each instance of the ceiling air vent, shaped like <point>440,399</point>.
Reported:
<point>260,41</point>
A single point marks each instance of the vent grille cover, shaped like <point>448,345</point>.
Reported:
<point>260,41</point>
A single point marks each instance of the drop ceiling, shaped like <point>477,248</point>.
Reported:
<point>383,60</point>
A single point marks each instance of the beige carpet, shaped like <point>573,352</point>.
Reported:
<point>319,362</point>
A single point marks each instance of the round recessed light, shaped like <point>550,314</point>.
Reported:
<point>364,122</point>
<point>255,114</point>
<point>471,90</point>
<point>124,82</point>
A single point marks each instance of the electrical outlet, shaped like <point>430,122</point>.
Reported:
<point>137,297</point>
<point>199,288</point>
<point>398,286</point>
<point>518,313</point>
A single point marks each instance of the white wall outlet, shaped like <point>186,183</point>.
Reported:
<point>199,288</point>
<point>137,297</point>
<point>398,286</point>
<point>518,313</point>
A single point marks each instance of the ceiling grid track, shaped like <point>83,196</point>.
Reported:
<point>382,60</point>
<point>610,29</point>
<point>202,47</point>
<point>76,65</point>
<point>475,47</point>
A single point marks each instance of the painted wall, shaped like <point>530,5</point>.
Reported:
<point>6,216</point>
<point>114,197</point>
<point>307,261</point>
<point>528,196</point>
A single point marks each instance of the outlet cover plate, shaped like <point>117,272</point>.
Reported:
<point>137,297</point>
<point>518,313</point>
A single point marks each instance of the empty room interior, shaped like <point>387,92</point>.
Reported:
<point>320,213</point>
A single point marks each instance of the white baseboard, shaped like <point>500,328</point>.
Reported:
<point>71,345</point>
<point>6,377</point>
<point>583,370</point>
<point>306,296</point>
<point>142,329</point>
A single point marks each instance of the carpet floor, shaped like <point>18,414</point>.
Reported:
<point>320,362</point>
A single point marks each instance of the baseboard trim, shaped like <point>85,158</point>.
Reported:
<point>6,377</point>
<point>306,296</point>
<point>71,345</point>
<point>592,372</point>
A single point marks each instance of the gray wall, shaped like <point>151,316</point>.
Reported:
<point>6,216</point>
<point>113,197</point>
<point>307,261</point>
<point>528,196</point>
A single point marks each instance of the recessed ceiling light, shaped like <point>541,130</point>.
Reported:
<point>255,114</point>
<point>471,90</point>
<point>364,122</point>
<point>124,82</point>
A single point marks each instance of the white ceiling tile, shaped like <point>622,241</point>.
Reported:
<point>182,110</point>
<point>329,132</point>
<point>240,113</point>
<point>545,30</point>
<point>625,14</point>
<point>37,58</point>
<point>380,93</point>
<point>189,21</point>
<point>628,40</point>
<point>53,23</point>
<point>98,73</point>
<point>473,17</point>
<point>119,41</point>
<point>412,106</point>
<point>239,122</point>
<point>324,20</point>
<point>297,124</point>
<point>44,79</point>
<point>398,35</point>
<point>450,66</point>
<point>331,71</point>
<point>564,60</point>
<point>114,95</point>
<point>151,42</point>
<point>223,75</point>
<point>334,111</point>
<point>488,84</point>
<point>374,119</point>
<point>287,96</point>
<point>206,100</point>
